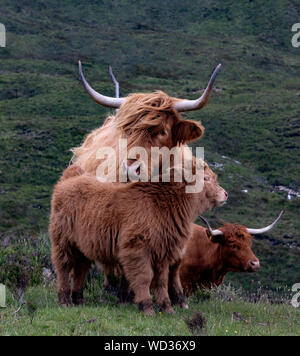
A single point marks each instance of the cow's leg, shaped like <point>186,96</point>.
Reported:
<point>63,267</point>
<point>111,281</point>
<point>160,285</point>
<point>138,272</point>
<point>63,285</point>
<point>126,294</point>
<point>79,273</point>
<point>175,289</point>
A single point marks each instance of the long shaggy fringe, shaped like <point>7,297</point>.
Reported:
<point>133,121</point>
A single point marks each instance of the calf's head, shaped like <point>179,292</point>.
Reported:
<point>215,194</point>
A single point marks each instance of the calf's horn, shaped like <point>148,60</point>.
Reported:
<point>265,229</point>
<point>97,97</point>
<point>190,105</point>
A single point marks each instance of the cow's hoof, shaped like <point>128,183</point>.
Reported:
<point>148,312</point>
<point>166,307</point>
<point>169,310</point>
<point>146,307</point>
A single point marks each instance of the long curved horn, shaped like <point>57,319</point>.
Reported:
<point>265,229</point>
<point>114,80</point>
<point>189,105</point>
<point>212,232</point>
<point>97,97</point>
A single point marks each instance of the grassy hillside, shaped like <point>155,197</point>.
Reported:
<point>252,122</point>
<point>221,313</point>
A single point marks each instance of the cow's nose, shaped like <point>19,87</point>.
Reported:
<point>254,265</point>
<point>226,194</point>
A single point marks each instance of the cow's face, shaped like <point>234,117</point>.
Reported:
<point>171,130</point>
<point>214,192</point>
<point>149,120</point>
<point>236,245</point>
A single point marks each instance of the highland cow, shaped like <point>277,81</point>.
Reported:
<point>145,120</point>
<point>142,228</point>
<point>211,254</point>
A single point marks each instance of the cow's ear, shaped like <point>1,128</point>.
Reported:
<point>188,131</point>
<point>219,239</point>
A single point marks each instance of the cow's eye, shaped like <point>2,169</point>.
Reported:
<point>163,133</point>
<point>206,178</point>
<point>235,247</point>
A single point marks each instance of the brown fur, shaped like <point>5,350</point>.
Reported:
<point>206,261</point>
<point>142,227</point>
<point>71,172</point>
<point>214,193</point>
<point>145,120</point>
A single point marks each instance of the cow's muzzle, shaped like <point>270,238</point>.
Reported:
<point>253,265</point>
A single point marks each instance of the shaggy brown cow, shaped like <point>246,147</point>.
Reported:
<point>145,120</point>
<point>144,227</point>
<point>210,254</point>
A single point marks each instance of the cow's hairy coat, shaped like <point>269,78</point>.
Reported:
<point>207,261</point>
<point>139,230</point>
<point>145,120</point>
<point>142,227</point>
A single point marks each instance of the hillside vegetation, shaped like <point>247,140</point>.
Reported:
<point>252,122</point>
<point>219,313</point>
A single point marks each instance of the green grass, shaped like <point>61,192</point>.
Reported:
<point>104,317</point>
